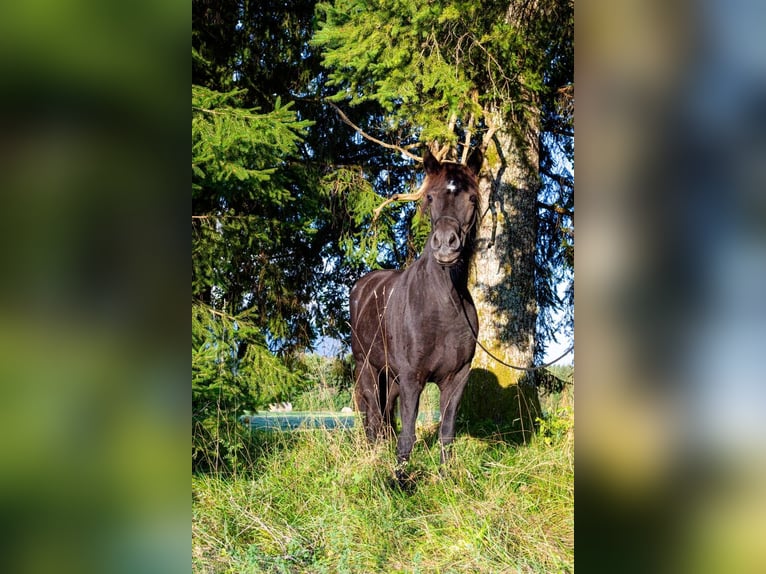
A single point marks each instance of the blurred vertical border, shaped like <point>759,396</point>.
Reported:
<point>671,286</point>
<point>94,415</point>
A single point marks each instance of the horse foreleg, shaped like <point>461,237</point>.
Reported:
<point>451,392</point>
<point>409,391</point>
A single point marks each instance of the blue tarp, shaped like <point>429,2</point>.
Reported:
<point>298,420</point>
<point>307,420</point>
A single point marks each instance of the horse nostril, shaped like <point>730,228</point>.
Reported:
<point>443,239</point>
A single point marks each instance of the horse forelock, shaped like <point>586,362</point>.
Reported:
<point>451,178</point>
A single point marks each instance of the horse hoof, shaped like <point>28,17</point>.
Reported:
<point>406,482</point>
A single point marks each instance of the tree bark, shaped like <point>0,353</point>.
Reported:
<point>502,284</point>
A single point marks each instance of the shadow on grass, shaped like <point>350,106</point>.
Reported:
<point>490,410</point>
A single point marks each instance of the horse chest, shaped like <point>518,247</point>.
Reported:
<point>428,337</point>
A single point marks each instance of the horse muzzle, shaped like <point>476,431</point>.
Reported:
<point>446,242</point>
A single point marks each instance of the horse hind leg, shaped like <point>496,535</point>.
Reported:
<point>390,400</point>
<point>367,399</point>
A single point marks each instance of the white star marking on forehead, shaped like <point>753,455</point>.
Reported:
<point>451,187</point>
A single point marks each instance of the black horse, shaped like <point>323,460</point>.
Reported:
<point>419,324</point>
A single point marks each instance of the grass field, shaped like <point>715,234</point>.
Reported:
<point>324,501</point>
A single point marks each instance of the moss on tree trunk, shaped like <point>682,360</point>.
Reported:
<point>502,284</point>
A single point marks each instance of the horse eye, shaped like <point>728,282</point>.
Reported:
<point>430,198</point>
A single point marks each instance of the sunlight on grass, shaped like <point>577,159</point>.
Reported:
<point>324,502</point>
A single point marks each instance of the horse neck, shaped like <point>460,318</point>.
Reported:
<point>454,277</point>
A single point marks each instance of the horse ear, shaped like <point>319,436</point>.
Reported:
<point>431,164</point>
<point>475,160</point>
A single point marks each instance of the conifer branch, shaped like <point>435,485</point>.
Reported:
<point>367,136</point>
<point>488,137</point>
<point>234,112</point>
<point>563,181</point>
<point>439,151</point>
<point>400,197</point>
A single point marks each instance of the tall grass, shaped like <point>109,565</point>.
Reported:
<point>319,501</point>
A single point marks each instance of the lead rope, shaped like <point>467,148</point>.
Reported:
<point>476,338</point>
<point>528,369</point>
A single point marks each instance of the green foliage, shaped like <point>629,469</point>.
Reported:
<point>323,502</point>
<point>249,216</point>
<point>390,52</point>
<point>361,238</point>
<point>555,425</point>
<point>221,370</point>
<point>234,147</point>
<point>428,62</point>
<point>232,370</point>
<point>252,244</point>
<point>259,46</point>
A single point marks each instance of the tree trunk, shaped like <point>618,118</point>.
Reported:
<point>502,284</point>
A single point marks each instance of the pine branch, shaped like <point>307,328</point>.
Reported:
<point>366,136</point>
<point>213,311</point>
<point>467,141</point>
<point>234,112</point>
<point>400,197</point>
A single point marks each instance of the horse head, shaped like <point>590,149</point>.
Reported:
<point>451,200</point>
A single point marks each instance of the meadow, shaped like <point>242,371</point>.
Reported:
<point>323,501</point>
